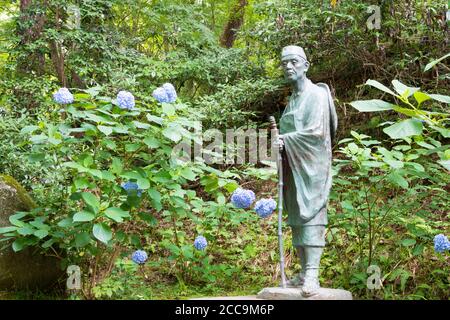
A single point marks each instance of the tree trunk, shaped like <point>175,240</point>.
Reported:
<point>31,25</point>
<point>235,21</point>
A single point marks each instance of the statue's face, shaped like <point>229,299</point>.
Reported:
<point>294,67</point>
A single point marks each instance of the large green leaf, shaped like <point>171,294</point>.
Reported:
<point>440,98</point>
<point>187,173</point>
<point>82,239</point>
<point>380,86</point>
<point>152,142</point>
<point>105,130</point>
<point>91,200</point>
<point>172,133</point>
<point>403,89</point>
<point>116,214</point>
<point>398,179</point>
<point>102,232</point>
<point>83,216</point>
<point>371,105</point>
<point>435,62</point>
<point>405,128</point>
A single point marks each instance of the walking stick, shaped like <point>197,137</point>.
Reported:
<point>273,127</point>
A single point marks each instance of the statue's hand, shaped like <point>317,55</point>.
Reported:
<point>280,142</point>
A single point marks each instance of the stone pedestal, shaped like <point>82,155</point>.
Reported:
<point>278,293</point>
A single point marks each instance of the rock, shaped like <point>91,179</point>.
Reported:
<point>26,269</point>
<point>278,293</point>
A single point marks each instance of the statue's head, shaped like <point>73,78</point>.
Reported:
<point>294,63</point>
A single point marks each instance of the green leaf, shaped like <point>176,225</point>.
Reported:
<point>82,239</point>
<point>403,89</point>
<point>7,229</point>
<point>155,119</point>
<point>41,234</point>
<point>408,242</point>
<point>152,142</point>
<point>65,223</point>
<point>187,173</point>
<point>18,245</point>
<point>379,86</point>
<point>81,183</point>
<point>168,109</point>
<point>405,128</point>
<point>91,200</point>
<point>29,129</point>
<point>35,157</point>
<point>15,219</point>
<point>116,214</point>
<point>105,130</point>
<point>445,164</point>
<point>440,98</point>
<point>116,165</point>
<point>371,105</point>
<point>141,125</point>
<point>398,179</point>
<point>102,232</point>
<point>172,133</point>
<point>132,147</point>
<point>83,216</point>
<point>443,131</point>
<point>435,62</point>
<point>106,175</point>
<point>25,231</point>
<point>143,183</point>
<point>155,197</point>
<point>421,97</point>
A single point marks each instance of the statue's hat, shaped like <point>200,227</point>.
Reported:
<point>294,50</point>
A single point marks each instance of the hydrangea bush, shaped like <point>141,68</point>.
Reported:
<point>63,96</point>
<point>242,198</point>
<point>265,207</point>
<point>125,100</point>
<point>120,174</point>
<point>139,257</point>
<point>441,243</point>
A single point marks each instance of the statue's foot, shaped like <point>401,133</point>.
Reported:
<point>297,281</point>
<point>310,286</point>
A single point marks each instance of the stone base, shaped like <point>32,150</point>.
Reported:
<point>278,293</point>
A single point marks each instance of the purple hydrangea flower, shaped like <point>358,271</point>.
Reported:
<point>171,92</point>
<point>200,243</point>
<point>160,94</point>
<point>63,96</point>
<point>265,207</point>
<point>242,198</point>
<point>441,243</point>
<point>139,256</point>
<point>125,100</point>
<point>131,187</point>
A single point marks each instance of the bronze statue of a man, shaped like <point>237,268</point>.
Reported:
<point>307,127</point>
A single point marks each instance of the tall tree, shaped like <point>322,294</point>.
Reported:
<point>234,23</point>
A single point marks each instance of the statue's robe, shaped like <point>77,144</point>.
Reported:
<point>308,125</point>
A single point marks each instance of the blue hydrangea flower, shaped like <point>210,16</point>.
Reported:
<point>265,207</point>
<point>160,94</point>
<point>130,186</point>
<point>242,198</point>
<point>139,256</point>
<point>63,96</point>
<point>125,100</point>
<point>441,243</point>
<point>171,92</point>
<point>200,243</point>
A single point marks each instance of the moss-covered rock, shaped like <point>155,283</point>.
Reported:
<point>26,269</point>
